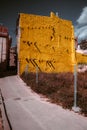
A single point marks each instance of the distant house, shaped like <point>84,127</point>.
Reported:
<point>5,42</point>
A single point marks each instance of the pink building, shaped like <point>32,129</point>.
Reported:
<point>5,43</point>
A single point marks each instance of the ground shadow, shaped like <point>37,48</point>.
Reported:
<point>9,72</point>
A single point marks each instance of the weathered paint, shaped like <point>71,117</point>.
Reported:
<point>46,43</point>
<point>3,31</point>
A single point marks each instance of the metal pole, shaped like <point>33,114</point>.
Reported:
<point>75,85</point>
<point>36,75</point>
<point>26,71</point>
<point>75,108</point>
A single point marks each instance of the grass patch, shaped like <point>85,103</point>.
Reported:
<point>59,88</point>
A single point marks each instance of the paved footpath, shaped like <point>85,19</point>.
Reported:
<point>28,111</point>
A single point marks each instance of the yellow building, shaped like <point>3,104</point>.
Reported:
<point>46,43</point>
<point>81,57</point>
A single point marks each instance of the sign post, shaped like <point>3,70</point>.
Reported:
<point>36,75</point>
<point>26,71</point>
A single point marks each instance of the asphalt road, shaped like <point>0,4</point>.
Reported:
<point>26,110</point>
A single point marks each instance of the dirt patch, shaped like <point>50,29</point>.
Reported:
<point>59,88</point>
<point>1,122</point>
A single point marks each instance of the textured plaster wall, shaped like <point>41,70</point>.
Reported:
<point>46,43</point>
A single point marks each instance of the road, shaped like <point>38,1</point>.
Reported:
<point>26,110</point>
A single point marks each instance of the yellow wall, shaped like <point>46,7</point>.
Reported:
<point>45,42</point>
<point>81,58</point>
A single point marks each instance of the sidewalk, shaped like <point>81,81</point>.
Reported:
<point>27,111</point>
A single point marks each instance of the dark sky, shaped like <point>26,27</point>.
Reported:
<point>67,9</point>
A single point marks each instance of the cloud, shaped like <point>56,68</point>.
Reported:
<point>83,17</point>
<point>81,27</point>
